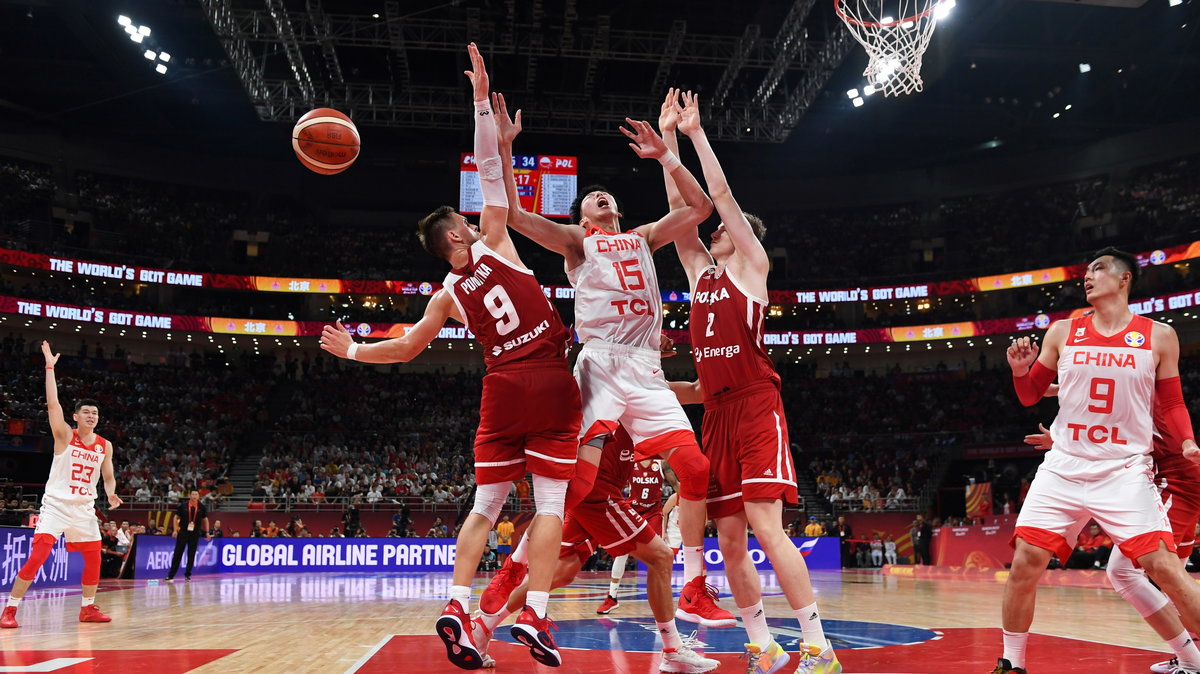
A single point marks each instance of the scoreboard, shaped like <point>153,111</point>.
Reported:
<point>546,184</point>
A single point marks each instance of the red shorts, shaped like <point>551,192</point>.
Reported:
<point>529,419</point>
<point>1183,511</point>
<point>613,525</point>
<point>746,441</point>
<point>654,521</point>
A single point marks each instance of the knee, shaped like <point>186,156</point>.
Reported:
<point>692,468</point>
<point>660,559</point>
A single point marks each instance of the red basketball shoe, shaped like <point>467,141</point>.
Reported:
<point>534,632</point>
<point>610,603</point>
<point>91,614</point>
<point>496,594</point>
<point>698,604</point>
<point>454,628</point>
<point>9,618</point>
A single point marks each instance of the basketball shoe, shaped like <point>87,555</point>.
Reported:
<point>1005,667</point>
<point>455,630</point>
<point>610,602</point>
<point>496,594</point>
<point>534,632</point>
<point>813,660</point>
<point>92,614</point>
<point>686,660</point>
<point>1165,667</point>
<point>9,618</point>
<point>698,604</point>
<point>767,660</point>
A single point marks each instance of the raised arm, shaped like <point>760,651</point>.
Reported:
<point>692,254</point>
<point>696,206</point>
<point>338,341</point>
<point>566,240</point>
<point>754,261</point>
<point>1033,369</point>
<point>110,479</point>
<point>493,219</point>
<point>58,422</point>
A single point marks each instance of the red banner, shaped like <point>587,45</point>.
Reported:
<point>983,547</point>
<point>979,500</point>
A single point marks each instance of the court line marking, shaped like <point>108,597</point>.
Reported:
<point>370,654</point>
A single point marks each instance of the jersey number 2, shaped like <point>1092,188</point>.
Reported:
<point>500,306</point>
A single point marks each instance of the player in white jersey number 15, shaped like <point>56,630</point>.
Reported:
<point>69,504</point>
<point>1114,369</point>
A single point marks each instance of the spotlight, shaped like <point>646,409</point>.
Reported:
<point>124,20</point>
<point>150,55</point>
<point>858,102</point>
<point>1085,67</point>
<point>144,30</point>
<point>853,93</point>
<point>137,37</point>
<point>943,9</point>
<point>1174,3</point>
<point>868,90</point>
<point>164,57</point>
<point>162,69</point>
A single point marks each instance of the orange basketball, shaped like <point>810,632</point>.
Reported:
<point>325,141</point>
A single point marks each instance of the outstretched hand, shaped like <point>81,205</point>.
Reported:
<point>668,114</point>
<point>1022,354</point>
<point>336,340</point>
<point>477,74</point>
<point>507,129</point>
<point>51,357</point>
<point>1042,440</point>
<point>689,113</point>
<point>646,143</point>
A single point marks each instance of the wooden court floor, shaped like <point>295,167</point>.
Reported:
<point>375,623</point>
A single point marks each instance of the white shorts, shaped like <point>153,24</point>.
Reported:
<point>1124,502</point>
<point>76,520</point>
<point>625,385</point>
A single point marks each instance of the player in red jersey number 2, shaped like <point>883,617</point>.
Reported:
<point>744,431</point>
<point>1113,368</point>
<point>68,507</point>
<point>529,412</point>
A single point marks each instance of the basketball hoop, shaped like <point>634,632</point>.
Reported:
<point>895,34</point>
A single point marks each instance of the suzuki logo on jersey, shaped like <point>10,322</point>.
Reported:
<point>1104,358</point>
<point>611,245</point>
<point>476,280</point>
<point>1134,338</point>
<point>523,339</point>
<point>710,297</point>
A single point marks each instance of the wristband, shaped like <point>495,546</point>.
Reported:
<point>49,367</point>
<point>483,107</point>
<point>350,353</point>
<point>669,161</point>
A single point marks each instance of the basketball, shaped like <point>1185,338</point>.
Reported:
<point>325,141</point>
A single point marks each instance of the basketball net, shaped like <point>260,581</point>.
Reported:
<point>895,34</point>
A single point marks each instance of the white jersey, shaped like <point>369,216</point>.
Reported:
<point>1105,398</point>
<point>616,291</point>
<point>674,538</point>
<point>75,473</point>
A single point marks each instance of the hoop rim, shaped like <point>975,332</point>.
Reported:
<point>837,7</point>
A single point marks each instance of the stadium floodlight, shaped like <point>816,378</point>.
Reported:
<point>887,22</point>
<point>942,10</point>
<point>124,20</point>
<point>852,94</point>
<point>1174,3</point>
<point>144,30</point>
<point>858,102</point>
<point>162,69</point>
<point>137,37</point>
<point>166,58</point>
<point>1068,107</point>
<point>868,90</point>
<point>131,30</point>
<point>1085,67</point>
<point>150,55</point>
<point>1057,115</point>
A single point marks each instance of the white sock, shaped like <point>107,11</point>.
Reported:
<point>618,572</point>
<point>670,636</point>
<point>810,625</point>
<point>88,601</point>
<point>537,601</point>
<point>1185,649</point>
<point>693,563</point>
<point>461,594</point>
<point>1014,647</point>
<point>613,587</point>
<point>14,601</point>
<point>521,554</point>
<point>491,620</point>
<point>755,619</point>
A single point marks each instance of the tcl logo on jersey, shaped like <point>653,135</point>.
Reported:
<point>636,307</point>
<point>1134,338</point>
<point>1097,434</point>
<point>710,297</point>
<point>1104,359</point>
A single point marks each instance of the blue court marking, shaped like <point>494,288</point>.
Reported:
<point>639,635</point>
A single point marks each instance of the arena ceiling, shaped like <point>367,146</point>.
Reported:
<point>773,73</point>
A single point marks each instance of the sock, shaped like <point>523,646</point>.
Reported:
<point>1185,649</point>
<point>521,554</point>
<point>613,587</point>
<point>88,601</point>
<point>693,563</point>
<point>461,594</point>
<point>537,601</point>
<point>618,572</point>
<point>755,619</point>
<point>670,636</point>
<point>492,620</point>
<point>14,601</point>
<point>1014,647</point>
<point>810,625</point>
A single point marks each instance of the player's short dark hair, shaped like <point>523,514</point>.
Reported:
<point>756,225</point>
<point>86,401</point>
<point>1127,260</point>
<point>577,205</point>
<point>432,228</point>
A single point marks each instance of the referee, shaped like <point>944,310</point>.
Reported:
<point>191,521</point>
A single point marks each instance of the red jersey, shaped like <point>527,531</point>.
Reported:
<point>726,327</point>
<point>1174,474</point>
<point>646,486</point>
<point>505,308</point>
<point>616,467</point>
